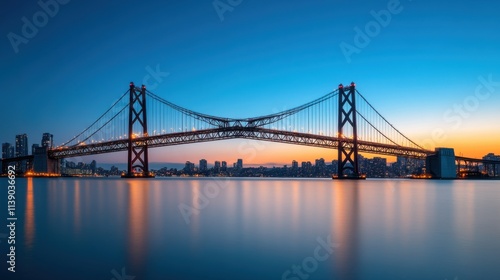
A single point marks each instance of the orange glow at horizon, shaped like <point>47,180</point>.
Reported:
<point>467,143</point>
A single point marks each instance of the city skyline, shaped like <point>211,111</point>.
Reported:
<point>47,141</point>
<point>430,82</point>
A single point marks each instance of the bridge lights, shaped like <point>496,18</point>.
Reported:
<point>341,86</point>
<point>353,84</point>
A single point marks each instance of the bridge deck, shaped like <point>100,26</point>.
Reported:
<point>254,133</point>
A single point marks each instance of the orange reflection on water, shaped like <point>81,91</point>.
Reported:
<point>295,206</point>
<point>76,206</point>
<point>138,220</point>
<point>29,218</point>
<point>199,202</point>
<point>464,211</point>
<point>346,215</point>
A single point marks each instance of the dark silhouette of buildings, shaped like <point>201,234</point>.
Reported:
<point>7,150</point>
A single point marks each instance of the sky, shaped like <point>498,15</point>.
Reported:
<point>430,68</point>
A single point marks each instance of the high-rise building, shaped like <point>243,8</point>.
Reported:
<point>217,166</point>
<point>239,164</point>
<point>189,167</point>
<point>224,166</point>
<point>47,140</point>
<point>21,145</point>
<point>320,167</point>
<point>93,166</point>
<point>7,150</point>
<point>22,150</point>
<point>295,164</point>
<point>203,165</point>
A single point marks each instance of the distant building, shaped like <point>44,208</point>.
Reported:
<point>306,169</point>
<point>93,166</point>
<point>7,150</point>
<point>378,167</point>
<point>21,145</point>
<point>239,164</point>
<point>224,166</point>
<point>189,167</point>
<point>22,150</point>
<point>320,167</point>
<point>203,165</point>
<point>406,166</point>
<point>217,166</point>
<point>489,168</point>
<point>335,166</point>
<point>33,148</point>
<point>295,165</point>
<point>47,140</point>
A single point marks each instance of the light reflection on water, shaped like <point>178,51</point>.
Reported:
<point>257,229</point>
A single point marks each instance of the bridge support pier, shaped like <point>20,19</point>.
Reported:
<point>348,150</point>
<point>42,163</point>
<point>137,144</point>
<point>442,164</point>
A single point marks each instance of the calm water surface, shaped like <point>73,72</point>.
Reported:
<point>254,229</point>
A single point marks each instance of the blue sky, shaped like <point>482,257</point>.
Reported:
<point>262,57</point>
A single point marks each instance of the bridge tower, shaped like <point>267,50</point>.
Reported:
<point>137,149</point>
<point>348,149</point>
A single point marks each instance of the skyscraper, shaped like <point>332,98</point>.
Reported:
<point>189,167</point>
<point>7,150</point>
<point>239,164</point>
<point>224,166</point>
<point>203,165</point>
<point>22,150</point>
<point>217,166</point>
<point>47,140</point>
<point>21,145</point>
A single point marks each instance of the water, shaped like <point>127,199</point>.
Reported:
<point>254,229</point>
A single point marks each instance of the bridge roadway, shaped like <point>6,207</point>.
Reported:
<point>223,133</point>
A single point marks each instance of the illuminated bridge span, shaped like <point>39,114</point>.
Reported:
<point>342,119</point>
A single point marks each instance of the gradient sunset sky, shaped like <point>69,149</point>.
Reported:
<point>432,69</point>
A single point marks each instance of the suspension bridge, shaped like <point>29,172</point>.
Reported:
<point>342,120</point>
